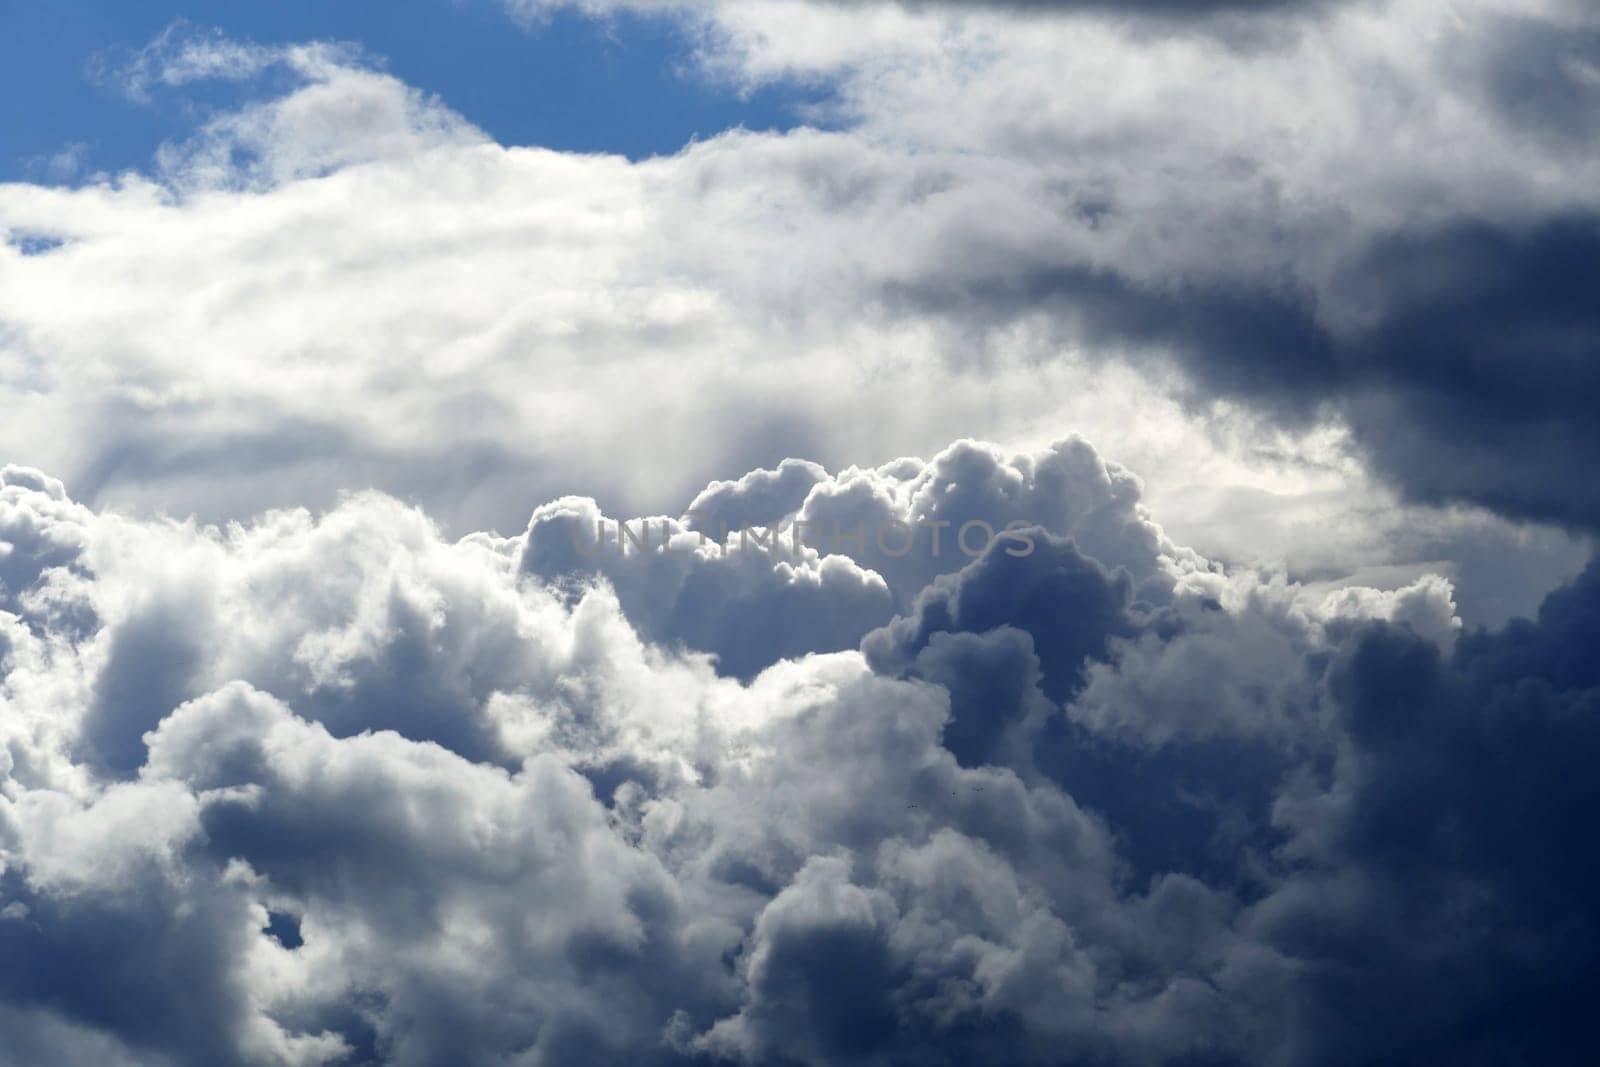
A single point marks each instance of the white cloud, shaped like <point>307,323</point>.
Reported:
<point>1111,801</point>
<point>349,286</point>
<point>496,816</point>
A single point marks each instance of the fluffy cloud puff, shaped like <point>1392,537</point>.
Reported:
<point>333,789</point>
<point>793,560</point>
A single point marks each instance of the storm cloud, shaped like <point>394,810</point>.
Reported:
<point>401,799</point>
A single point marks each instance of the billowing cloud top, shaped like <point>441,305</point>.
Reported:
<point>328,790</point>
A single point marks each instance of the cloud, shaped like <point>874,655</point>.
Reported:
<point>1277,257</point>
<point>1233,308</point>
<point>750,600</point>
<point>341,110</point>
<point>402,797</point>
<point>309,777</point>
<point>1024,592</point>
<point>531,12</point>
<point>793,560</point>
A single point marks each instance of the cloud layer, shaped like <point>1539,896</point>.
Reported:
<point>1316,268</point>
<point>333,789</point>
<point>315,776</point>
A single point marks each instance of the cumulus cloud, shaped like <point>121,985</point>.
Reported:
<point>1006,229</point>
<point>292,771</point>
<point>391,798</point>
<point>751,598</point>
<point>1297,222</point>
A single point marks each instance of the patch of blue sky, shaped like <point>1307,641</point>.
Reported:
<point>626,84</point>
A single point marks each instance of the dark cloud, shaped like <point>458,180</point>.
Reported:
<point>1415,848</point>
<point>150,669</point>
<point>1465,355</point>
<point>1539,77</point>
<point>1025,593</point>
<point>1478,377</point>
<point>1443,873</point>
<point>386,799</point>
<point>143,962</point>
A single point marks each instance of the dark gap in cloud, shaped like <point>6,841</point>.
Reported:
<point>35,244</point>
<point>284,928</point>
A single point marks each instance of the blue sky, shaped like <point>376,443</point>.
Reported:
<point>624,84</point>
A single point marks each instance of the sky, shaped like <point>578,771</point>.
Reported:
<point>622,83</point>
<point>839,532</point>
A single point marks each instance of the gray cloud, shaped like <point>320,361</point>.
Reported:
<point>333,786</point>
<point>406,799</point>
<point>1184,247</point>
<point>1473,366</point>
